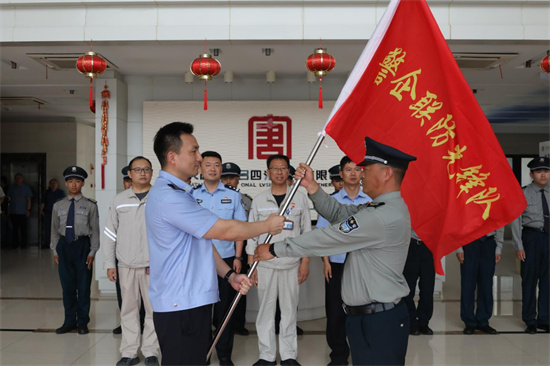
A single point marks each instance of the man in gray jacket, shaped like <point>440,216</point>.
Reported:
<point>125,240</point>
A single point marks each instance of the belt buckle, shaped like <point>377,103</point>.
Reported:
<point>345,308</point>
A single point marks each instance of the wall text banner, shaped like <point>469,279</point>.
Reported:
<point>407,91</point>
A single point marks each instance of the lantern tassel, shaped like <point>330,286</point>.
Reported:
<point>102,176</point>
<point>320,94</point>
<point>91,93</point>
<point>205,97</point>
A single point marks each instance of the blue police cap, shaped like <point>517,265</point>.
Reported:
<point>334,173</point>
<point>291,172</point>
<point>379,153</point>
<point>75,172</point>
<point>230,169</point>
<point>539,163</point>
<point>124,172</point>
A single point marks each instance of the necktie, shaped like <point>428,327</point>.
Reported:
<point>545,212</point>
<point>69,228</point>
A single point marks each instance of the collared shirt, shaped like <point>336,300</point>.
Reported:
<point>532,216</point>
<point>124,236</point>
<point>51,197</point>
<point>18,198</point>
<point>86,221</point>
<point>182,269</point>
<point>376,237</point>
<point>342,196</point>
<point>227,204</point>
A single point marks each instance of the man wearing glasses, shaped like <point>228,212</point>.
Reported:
<point>125,240</point>
<point>279,277</point>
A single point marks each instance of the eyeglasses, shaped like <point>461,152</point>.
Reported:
<point>274,169</point>
<point>144,170</point>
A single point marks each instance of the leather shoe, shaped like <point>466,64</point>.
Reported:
<point>82,329</point>
<point>290,362</point>
<point>262,362</point>
<point>117,330</point>
<point>127,361</point>
<point>424,329</point>
<point>152,361</point>
<point>544,327</point>
<point>226,361</point>
<point>299,331</point>
<point>488,329</point>
<point>65,328</point>
<point>414,331</point>
<point>469,330</point>
<point>531,329</point>
<point>242,331</point>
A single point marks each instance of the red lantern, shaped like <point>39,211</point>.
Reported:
<point>320,63</point>
<point>205,67</point>
<point>91,65</point>
<point>545,64</point>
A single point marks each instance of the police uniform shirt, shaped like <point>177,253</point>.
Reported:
<point>226,203</point>
<point>182,270</point>
<point>376,237</point>
<point>342,196</point>
<point>532,216</point>
<point>86,220</point>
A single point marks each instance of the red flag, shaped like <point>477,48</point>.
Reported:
<point>407,91</point>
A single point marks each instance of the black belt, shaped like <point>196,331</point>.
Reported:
<point>418,242</point>
<point>375,307</point>
<point>535,229</point>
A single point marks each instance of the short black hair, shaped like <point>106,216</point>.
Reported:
<point>211,154</point>
<point>345,160</point>
<point>399,174</point>
<point>278,156</point>
<point>168,138</point>
<point>139,158</point>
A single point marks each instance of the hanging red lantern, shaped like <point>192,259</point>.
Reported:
<point>204,67</point>
<point>545,64</point>
<point>91,65</point>
<point>320,63</point>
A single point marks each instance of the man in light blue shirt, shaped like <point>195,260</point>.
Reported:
<point>350,194</point>
<point>226,203</point>
<point>183,261</point>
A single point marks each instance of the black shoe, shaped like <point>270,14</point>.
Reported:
<point>544,327</point>
<point>127,361</point>
<point>65,328</point>
<point>414,331</point>
<point>469,330</point>
<point>290,362</point>
<point>299,331</point>
<point>488,329</point>
<point>82,329</point>
<point>117,330</point>
<point>152,361</point>
<point>226,361</point>
<point>262,362</point>
<point>241,331</point>
<point>531,329</point>
<point>336,363</point>
<point>424,329</point>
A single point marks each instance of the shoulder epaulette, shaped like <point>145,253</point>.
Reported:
<point>196,186</point>
<point>175,187</point>
<point>231,187</point>
<point>92,200</point>
<point>371,204</point>
<point>524,187</point>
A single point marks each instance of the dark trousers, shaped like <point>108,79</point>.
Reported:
<point>336,318</point>
<point>535,271</point>
<point>184,336</point>
<point>477,270</point>
<point>239,316</point>
<point>419,267</point>
<point>76,279</point>
<point>224,347</point>
<point>19,230</point>
<point>47,229</point>
<point>379,338</point>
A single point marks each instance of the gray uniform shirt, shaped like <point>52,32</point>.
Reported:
<point>499,239</point>
<point>86,221</point>
<point>532,216</point>
<point>376,237</point>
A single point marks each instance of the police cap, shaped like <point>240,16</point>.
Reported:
<point>379,153</point>
<point>75,172</point>
<point>291,172</point>
<point>539,163</point>
<point>231,169</point>
<point>334,173</point>
<point>124,172</point>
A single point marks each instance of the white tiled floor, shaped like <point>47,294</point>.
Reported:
<point>31,309</point>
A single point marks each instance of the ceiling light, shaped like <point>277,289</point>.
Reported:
<point>270,77</point>
<point>228,77</point>
<point>189,78</point>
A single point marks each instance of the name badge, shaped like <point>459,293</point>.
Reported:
<point>226,200</point>
<point>288,225</point>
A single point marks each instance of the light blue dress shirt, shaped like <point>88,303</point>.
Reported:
<point>343,197</point>
<point>226,203</point>
<point>183,272</point>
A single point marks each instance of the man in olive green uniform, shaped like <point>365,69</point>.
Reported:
<point>376,237</point>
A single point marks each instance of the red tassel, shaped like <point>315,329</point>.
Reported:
<point>205,97</point>
<point>102,176</point>
<point>320,94</point>
<point>91,93</point>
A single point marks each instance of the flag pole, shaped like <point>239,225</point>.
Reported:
<point>284,206</point>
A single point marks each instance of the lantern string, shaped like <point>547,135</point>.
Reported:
<point>205,97</point>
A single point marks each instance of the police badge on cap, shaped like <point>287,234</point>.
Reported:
<point>230,169</point>
<point>334,173</point>
<point>75,172</point>
<point>539,163</point>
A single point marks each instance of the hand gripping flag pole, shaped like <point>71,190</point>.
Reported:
<point>284,206</point>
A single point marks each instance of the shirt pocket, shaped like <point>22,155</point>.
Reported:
<point>81,218</point>
<point>225,211</point>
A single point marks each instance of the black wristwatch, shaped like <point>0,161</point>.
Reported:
<point>272,250</point>
<point>228,274</point>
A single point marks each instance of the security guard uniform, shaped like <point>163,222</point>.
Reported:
<point>334,173</point>
<point>530,233</point>
<point>75,236</point>
<point>376,237</point>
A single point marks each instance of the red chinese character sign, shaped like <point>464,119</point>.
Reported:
<point>407,91</point>
<point>269,135</point>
